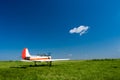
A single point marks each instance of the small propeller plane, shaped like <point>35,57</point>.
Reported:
<point>42,58</point>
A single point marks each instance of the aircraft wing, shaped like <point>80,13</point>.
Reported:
<point>59,59</point>
<point>48,60</point>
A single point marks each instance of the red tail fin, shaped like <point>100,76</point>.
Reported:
<point>24,53</point>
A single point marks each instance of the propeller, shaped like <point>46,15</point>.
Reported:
<point>49,54</point>
<point>44,54</point>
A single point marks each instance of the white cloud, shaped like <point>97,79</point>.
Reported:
<point>80,30</point>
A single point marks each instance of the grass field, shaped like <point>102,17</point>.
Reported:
<point>108,69</point>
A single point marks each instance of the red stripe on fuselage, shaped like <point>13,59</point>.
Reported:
<point>39,58</point>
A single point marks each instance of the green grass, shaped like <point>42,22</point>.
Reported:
<point>108,69</point>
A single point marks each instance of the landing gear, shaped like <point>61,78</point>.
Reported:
<point>49,63</point>
<point>35,63</point>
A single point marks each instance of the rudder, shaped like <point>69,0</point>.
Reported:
<point>25,53</point>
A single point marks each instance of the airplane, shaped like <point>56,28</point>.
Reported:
<point>42,58</point>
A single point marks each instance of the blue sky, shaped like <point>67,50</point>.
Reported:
<point>44,26</point>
